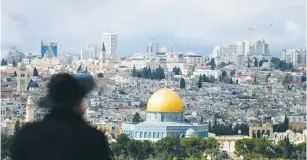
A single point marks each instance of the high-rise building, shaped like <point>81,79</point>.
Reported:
<point>110,42</point>
<point>262,48</point>
<point>295,56</point>
<point>49,49</point>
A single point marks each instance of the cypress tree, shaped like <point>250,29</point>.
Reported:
<point>182,83</point>
<point>199,84</point>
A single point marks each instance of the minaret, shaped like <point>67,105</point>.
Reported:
<point>22,80</point>
<point>30,110</point>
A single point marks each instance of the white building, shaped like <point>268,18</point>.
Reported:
<point>90,52</point>
<point>110,42</point>
<point>262,48</point>
<point>295,56</point>
<point>195,59</point>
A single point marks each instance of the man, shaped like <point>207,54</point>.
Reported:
<point>63,134</point>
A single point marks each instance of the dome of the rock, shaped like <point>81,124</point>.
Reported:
<point>165,100</point>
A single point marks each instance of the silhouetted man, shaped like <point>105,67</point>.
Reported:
<point>62,134</point>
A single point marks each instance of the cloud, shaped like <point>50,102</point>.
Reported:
<point>195,23</point>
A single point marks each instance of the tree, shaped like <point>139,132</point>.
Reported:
<point>116,149</point>
<point>211,79</point>
<point>15,74</point>
<point>232,73</point>
<point>255,62</point>
<point>17,126</point>
<point>79,68</point>
<point>134,73</point>
<point>222,155</point>
<point>212,64</point>
<point>100,75</point>
<point>176,71</point>
<point>182,83</point>
<point>6,145</point>
<point>199,84</point>
<point>303,78</point>
<point>122,140</point>
<point>191,147</point>
<point>288,78</point>
<point>260,63</point>
<point>224,73</point>
<point>285,147</point>
<point>137,118</point>
<point>14,63</point>
<point>168,147</point>
<point>3,62</point>
<point>222,65</point>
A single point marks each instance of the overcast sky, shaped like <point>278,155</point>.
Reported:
<point>195,25</point>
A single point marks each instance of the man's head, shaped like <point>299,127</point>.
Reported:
<point>66,92</point>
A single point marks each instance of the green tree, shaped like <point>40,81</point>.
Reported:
<point>182,83</point>
<point>79,68</point>
<point>6,145</point>
<point>212,79</point>
<point>285,147</point>
<point>116,149</point>
<point>137,118</point>
<point>176,71</point>
<point>100,75</point>
<point>3,62</point>
<point>15,74</point>
<point>232,73</point>
<point>212,64</point>
<point>17,126</point>
<point>255,62</point>
<point>199,84</point>
<point>222,155</point>
<point>168,147</point>
<point>303,78</point>
<point>191,147</point>
<point>288,78</point>
<point>211,146</point>
<point>14,63</point>
<point>123,142</point>
<point>134,73</point>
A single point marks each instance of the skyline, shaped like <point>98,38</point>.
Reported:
<point>200,27</point>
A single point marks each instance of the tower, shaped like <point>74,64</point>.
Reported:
<point>30,110</point>
<point>102,56</point>
<point>22,79</point>
<point>110,42</point>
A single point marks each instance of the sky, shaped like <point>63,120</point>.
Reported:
<point>191,25</point>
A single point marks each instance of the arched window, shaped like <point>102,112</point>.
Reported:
<point>145,135</point>
<point>162,134</point>
<point>159,135</point>
<point>154,135</point>
<point>141,134</point>
<point>136,134</point>
<point>149,134</point>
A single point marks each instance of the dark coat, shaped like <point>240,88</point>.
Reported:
<point>60,136</point>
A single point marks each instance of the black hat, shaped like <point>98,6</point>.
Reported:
<point>66,90</point>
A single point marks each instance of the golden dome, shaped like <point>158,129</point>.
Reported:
<point>165,100</point>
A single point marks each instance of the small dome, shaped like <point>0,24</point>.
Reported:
<point>7,121</point>
<point>289,131</point>
<point>34,85</point>
<point>165,100</point>
<point>21,65</point>
<point>190,133</point>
